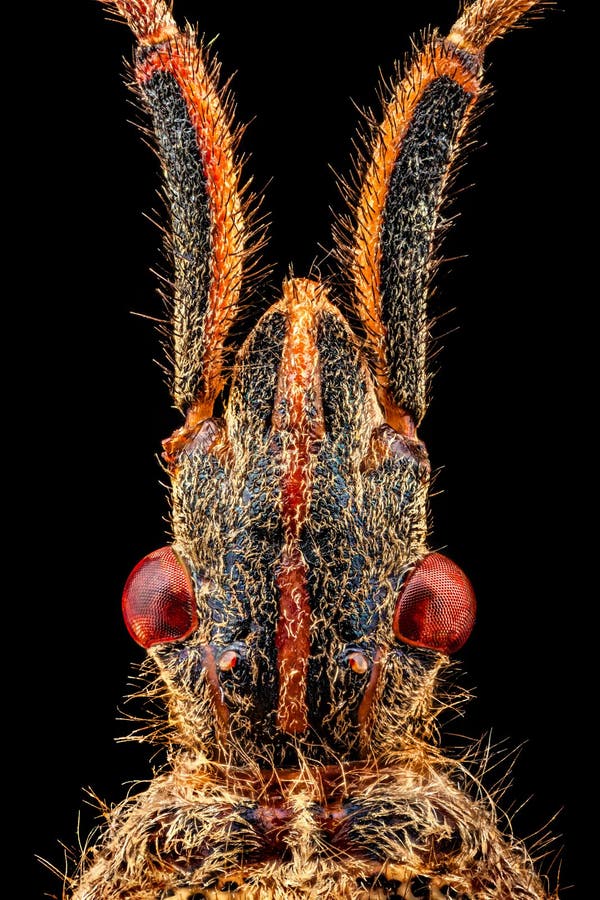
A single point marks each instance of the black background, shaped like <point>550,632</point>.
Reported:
<point>503,425</point>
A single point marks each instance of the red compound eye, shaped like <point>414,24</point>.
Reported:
<point>158,600</point>
<point>436,606</point>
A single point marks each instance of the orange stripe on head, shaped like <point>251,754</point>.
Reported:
<point>298,412</point>
<point>298,418</point>
<point>292,642</point>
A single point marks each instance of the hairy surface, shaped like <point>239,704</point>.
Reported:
<point>301,725</point>
<point>387,243</point>
<point>331,832</point>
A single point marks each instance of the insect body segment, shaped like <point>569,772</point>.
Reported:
<point>209,233</point>
<point>300,622</point>
<point>389,253</point>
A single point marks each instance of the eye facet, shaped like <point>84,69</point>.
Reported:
<point>436,606</point>
<point>158,600</point>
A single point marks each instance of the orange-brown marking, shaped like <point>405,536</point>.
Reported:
<point>436,60</point>
<point>367,701</point>
<point>299,419</point>
<point>395,416</point>
<point>210,667</point>
<point>150,20</point>
<point>483,21</point>
<point>177,54</point>
<point>292,641</point>
<point>182,59</point>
